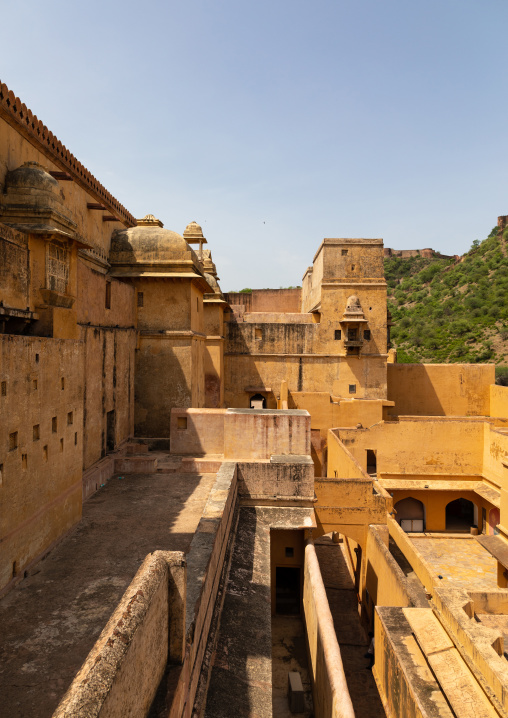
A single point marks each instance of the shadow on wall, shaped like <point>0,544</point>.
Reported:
<point>410,386</point>
<point>161,385</point>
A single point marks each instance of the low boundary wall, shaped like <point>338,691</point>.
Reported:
<point>420,566</point>
<point>329,687</point>
<point>122,671</point>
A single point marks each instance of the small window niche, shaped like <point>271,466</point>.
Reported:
<point>35,385</point>
<point>24,461</point>
<point>13,441</point>
<point>338,334</point>
<point>62,383</point>
<point>1,474</point>
<point>258,334</point>
<point>366,335</point>
<point>36,432</point>
<point>45,452</point>
<point>61,445</point>
<point>289,551</point>
<point>352,388</point>
<point>140,299</point>
<point>4,388</point>
<point>70,418</point>
<point>108,295</point>
<point>54,425</point>
<point>181,422</point>
<point>344,252</point>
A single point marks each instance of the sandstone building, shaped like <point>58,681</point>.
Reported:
<point>186,475</point>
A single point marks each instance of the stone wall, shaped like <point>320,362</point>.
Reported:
<point>122,672</point>
<point>329,687</point>
<point>441,389</point>
<point>267,300</point>
<point>41,422</point>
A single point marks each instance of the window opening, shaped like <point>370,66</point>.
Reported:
<point>36,432</point>
<point>110,436</point>
<point>54,425</point>
<point>140,299</point>
<point>13,441</point>
<point>57,267</point>
<point>108,295</point>
<point>181,422</point>
<point>4,388</point>
<point>352,388</point>
<point>366,334</point>
<point>338,334</point>
<point>257,401</point>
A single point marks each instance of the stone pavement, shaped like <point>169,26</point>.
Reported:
<point>289,653</point>
<point>462,562</point>
<point>51,620</point>
<point>351,636</point>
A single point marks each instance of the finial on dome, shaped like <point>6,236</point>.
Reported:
<point>149,220</point>
<point>193,234</point>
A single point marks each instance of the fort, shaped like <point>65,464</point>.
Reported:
<point>208,500</point>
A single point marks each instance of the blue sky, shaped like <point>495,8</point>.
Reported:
<point>275,124</point>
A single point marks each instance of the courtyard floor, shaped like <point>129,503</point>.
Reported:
<point>51,620</point>
<point>460,561</point>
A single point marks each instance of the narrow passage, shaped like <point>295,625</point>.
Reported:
<point>351,636</point>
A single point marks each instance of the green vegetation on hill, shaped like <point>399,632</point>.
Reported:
<point>445,310</point>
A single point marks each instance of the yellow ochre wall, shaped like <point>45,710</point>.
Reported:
<point>40,486</point>
<point>431,447</point>
<point>441,389</point>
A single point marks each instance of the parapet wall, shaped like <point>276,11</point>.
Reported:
<point>329,686</point>
<point>440,389</point>
<point>122,671</point>
<point>267,300</point>
<point>240,434</point>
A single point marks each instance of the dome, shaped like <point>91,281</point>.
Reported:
<point>213,283</point>
<point>31,176</point>
<point>149,243</point>
<point>193,234</point>
<point>193,230</point>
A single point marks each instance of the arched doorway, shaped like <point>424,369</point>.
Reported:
<point>258,401</point>
<point>494,518</point>
<point>410,514</point>
<point>459,515</point>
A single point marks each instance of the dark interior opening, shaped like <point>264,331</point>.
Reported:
<point>459,515</point>
<point>110,438</point>
<point>258,401</point>
<point>287,590</point>
<point>371,462</point>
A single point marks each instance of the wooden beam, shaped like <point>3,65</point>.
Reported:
<point>95,205</point>
<point>110,219</point>
<point>61,176</point>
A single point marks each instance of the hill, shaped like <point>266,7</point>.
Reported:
<point>451,310</point>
